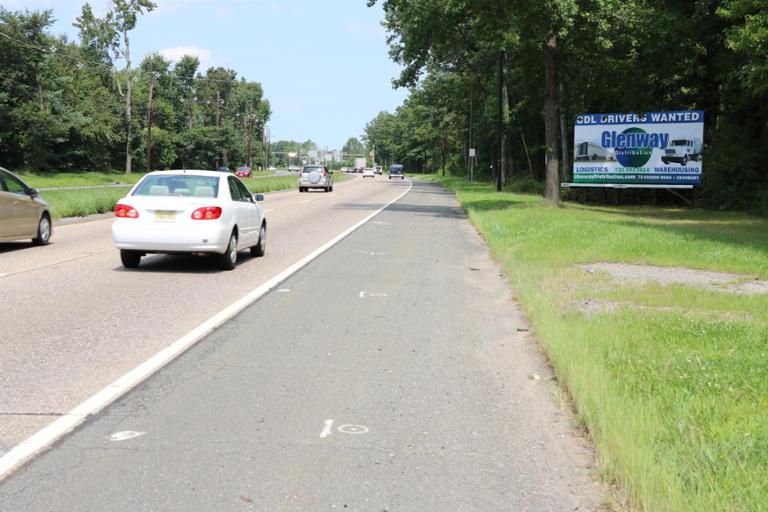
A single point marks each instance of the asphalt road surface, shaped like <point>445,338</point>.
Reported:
<point>74,320</point>
<point>393,373</point>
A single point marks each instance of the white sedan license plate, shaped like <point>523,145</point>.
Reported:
<point>165,216</point>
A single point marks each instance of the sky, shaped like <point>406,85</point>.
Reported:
<point>323,64</point>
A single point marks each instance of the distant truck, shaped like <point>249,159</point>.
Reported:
<point>360,164</point>
<point>682,150</point>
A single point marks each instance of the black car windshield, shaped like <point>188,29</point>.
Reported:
<point>178,185</point>
<point>311,169</point>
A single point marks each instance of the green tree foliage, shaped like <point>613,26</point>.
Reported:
<point>63,104</point>
<point>564,58</point>
<point>353,148</point>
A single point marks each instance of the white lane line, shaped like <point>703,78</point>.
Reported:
<point>327,429</point>
<point>283,290</point>
<point>270,210</point>
<point>377,294</point>
<point>49,434</point>
<point>362,295</point>
<point>3,275</point>
<point>125,435</point>
<point>305,201</point>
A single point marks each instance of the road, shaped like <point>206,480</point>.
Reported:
<point>74,320</point>
<point>392,373</point>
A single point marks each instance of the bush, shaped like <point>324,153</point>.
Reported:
<point>524,185</point>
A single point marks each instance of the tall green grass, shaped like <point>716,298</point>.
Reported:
<point>670,381</point>
<point>79,203</point>
<point>82,179</point>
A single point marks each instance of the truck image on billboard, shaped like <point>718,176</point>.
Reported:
<point>655,148</point>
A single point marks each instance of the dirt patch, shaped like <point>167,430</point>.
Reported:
<point>633,274</point>
<point>591,307</point>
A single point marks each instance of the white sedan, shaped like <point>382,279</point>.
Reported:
<point>189,212</point>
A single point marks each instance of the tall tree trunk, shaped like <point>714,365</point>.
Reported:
<point>128,88</point>
<point>564,155</point>
<point>552,182</point>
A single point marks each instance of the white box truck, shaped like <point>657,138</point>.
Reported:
<point>359,164</point>
<point>682,150</point>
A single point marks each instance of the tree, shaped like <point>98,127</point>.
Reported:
<point>353,148</point>
<point>112,32</point>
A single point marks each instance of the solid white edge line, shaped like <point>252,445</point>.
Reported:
<point>45,437</point>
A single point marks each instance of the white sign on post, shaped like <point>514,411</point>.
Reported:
<point>472,152</point>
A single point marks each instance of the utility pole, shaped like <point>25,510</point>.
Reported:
<point>218,109</point>
<point>442,150</point>
<point>471,150</point>
<point>501,155</point>
<point>269,148</point>
<point>250,117</point>
<point>149,122</point>
<point>219,102</point>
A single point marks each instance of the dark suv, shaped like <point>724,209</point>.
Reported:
<point>396,170</point>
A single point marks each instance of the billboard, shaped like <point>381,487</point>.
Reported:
<point>655,148</point>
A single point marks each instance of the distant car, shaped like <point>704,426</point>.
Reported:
<point>396,170</point>
<point>377,169</point>
<point>23,213</point>
<point>272,168</point>
<point>293,169</point>
<point>224,168</point>
<point>243,172</point>
<point>315,176</point>
<point>195,212</point>
<point>369,172</point>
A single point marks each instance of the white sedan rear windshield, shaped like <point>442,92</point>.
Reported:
<point>178,185</point>
<point>310,169</point>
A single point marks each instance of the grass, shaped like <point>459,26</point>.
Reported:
<point>82,179</point>
<point>272,184</point>
<point>79,203</point>
<point>672,383</point>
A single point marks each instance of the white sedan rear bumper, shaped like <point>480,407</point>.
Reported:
<point>157,237</point>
